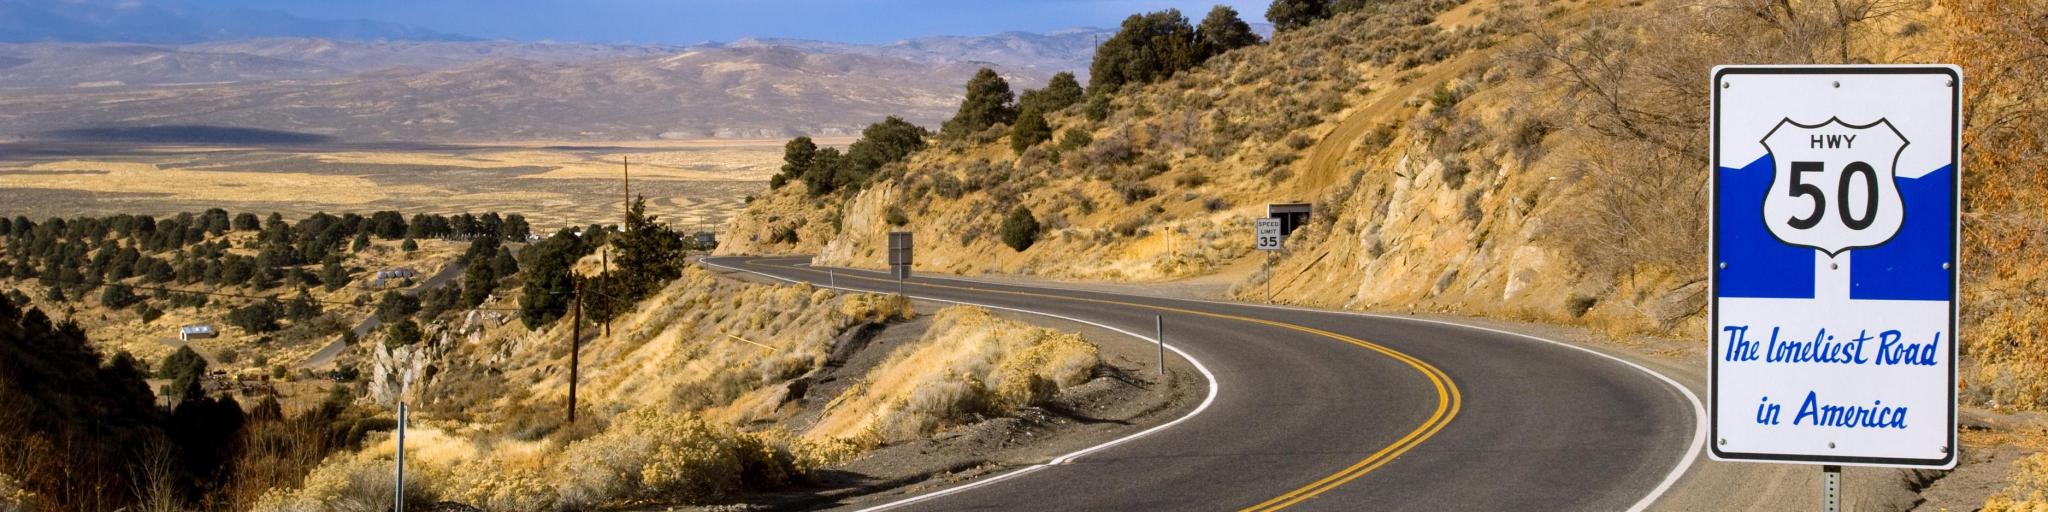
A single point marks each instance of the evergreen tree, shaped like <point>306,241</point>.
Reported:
<point>649,251</point>
<point>504,264</point>
<point>257,317</point>
<point>478,281</point>
<point>516,229</point>
<point>1292,14</point>
<point>402,333</point>
<point>1146,48</point>
<point>987,104</point>
<point>118,296</point>
<point>1059,93</point>
<point>395,306</point>
<point>302,307</point>
<point>797,156</point>
<point>1020,229</point>
<point>1222,30</point>
<point>332,275</point>
<point>183,364</point>
<point>545,295</point>
<point>1031,129</point>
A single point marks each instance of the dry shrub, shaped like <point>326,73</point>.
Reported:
<point>650,455</point>
<point>345,483</point>
<point>968,364</point>
<point>2005,217</point>
<point>1636,92</point>
<point>2027,490</point>
<point>646,456</point>
<point>13,498</point>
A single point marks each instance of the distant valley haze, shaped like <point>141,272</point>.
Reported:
<point>471,71</point>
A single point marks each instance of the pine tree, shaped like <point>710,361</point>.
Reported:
<point>332,275</point>
<point>797,156</point>
<point>988,103</point>
<point>504,264</point>
<point>1292,14</point>
<point>1031,129</point>
<point>1222,30</point>
<point>1020,229</point>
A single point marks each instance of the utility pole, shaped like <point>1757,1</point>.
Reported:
<point>575,346</point>
<point>606,258</point>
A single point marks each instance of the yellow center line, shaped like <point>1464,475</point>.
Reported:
<point>1449,400</point>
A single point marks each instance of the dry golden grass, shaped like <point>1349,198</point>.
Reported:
<point>693,184</point>
<point>222,187</point>
<point>644,456</point>
<point>968,363</point>
<point>667,391</point>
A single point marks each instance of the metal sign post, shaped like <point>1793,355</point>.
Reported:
<point>1831,488</point>
<point>899,258</point>
<point>398,492</point>
<point>1267,237</point>
<point>1833,279</point>
<point>398,489</point>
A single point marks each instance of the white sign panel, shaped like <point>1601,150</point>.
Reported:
<point>1835,193</point>
<point>1267,232</point>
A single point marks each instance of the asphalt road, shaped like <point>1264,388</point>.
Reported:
<point>362,329</point>
<point>1322,410</point>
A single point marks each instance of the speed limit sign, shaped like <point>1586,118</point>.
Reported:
<point>1267,233</point>
<point>1834,264</point>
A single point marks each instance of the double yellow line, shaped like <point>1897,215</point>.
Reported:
<point>1448,398</point>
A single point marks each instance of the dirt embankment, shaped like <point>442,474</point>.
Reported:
<point>719,392</point>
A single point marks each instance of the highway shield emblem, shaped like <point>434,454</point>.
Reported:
<point>1835,186</point>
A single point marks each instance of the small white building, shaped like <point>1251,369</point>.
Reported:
<point>196,331</point>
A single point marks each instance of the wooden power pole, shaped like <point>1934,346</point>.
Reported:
<point>575,347</point>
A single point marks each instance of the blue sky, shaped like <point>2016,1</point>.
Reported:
<point>690,21</point>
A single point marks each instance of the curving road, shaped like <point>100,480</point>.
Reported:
<point>1319,410</point>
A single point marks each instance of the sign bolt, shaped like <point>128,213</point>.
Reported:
<point>1838,85</point>
<point>1724,441</point>
<point>1724,265</point>
<point>1944,265</point>
<point>1831,444</point>
<point>1834,266</point>
<point>1944,449</point>
<point>1724,85</point>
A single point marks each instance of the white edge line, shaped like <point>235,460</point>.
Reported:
<point>1699,432</point>
<point>1063,459</point>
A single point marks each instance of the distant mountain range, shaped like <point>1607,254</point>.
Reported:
<point>175,21</point>
<point>502,90</point>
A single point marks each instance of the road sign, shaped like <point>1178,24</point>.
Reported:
<point>1835,193</point>
<point>899,254</point>
<point>1266,232</point>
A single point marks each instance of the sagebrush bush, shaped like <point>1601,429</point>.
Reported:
<point>646,455</point>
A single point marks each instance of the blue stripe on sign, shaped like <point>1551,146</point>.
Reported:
<point>1758,265</point>
<point>1908,267</point>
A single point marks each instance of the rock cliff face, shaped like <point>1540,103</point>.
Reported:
<point>1437,183</point>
